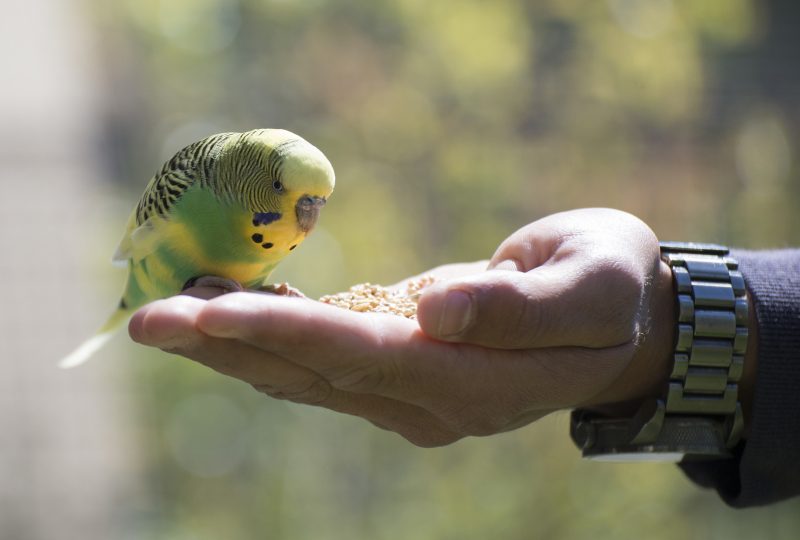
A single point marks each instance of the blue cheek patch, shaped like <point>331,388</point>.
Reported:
<point>265,218</point>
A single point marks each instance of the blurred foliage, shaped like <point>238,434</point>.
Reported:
<point>450,124</point>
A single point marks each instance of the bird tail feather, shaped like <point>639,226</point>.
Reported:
<point>86,349</point>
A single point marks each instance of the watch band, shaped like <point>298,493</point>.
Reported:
<point>699,415</point>
<point>711,331</point>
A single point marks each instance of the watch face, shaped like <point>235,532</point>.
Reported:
<point>640,457</point>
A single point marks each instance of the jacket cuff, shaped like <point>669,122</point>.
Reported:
<point>766,466</point>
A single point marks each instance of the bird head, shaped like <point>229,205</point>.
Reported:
<point>289,175</point>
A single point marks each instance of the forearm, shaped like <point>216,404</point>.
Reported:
<point>766,468</point>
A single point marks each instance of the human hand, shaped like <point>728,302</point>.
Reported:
<point>574,310</point>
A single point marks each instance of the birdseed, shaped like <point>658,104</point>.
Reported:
<point>367,297</point>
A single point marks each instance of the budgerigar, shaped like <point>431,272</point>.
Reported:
<point>230,206</point>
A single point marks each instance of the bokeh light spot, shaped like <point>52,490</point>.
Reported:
<point>200,26</point>
<point>643,18</point>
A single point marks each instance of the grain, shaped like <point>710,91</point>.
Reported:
<point>366,297</point>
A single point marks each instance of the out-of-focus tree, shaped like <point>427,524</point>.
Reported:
<point>449,123</point>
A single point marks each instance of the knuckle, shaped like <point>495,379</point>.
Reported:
<point>433,438</point>
<point>363,378</point>
<point>308,392</point>
<point>426,435</point>
<point>513,316</point>
<point>526,323</point>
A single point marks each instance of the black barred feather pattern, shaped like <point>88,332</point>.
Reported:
<point>191,164</point>
<point>243,172</point>
<point>251,175</point>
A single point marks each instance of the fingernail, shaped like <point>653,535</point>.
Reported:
<point>457,313</point>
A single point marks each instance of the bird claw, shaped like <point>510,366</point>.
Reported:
<point>227,285</point>
<point>282,289</point>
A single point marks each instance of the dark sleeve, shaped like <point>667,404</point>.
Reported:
<point>766,467</point>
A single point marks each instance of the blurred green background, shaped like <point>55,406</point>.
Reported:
<point>450,123</point>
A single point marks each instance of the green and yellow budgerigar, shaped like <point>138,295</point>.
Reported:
<point>228,207</point>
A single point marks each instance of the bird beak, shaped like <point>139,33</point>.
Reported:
<point>307,210</point>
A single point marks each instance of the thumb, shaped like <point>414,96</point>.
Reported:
<point>491,309</point>
<point>549,306</point>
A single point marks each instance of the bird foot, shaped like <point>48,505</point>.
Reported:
<point>227,285</point>
<point>282,289</point>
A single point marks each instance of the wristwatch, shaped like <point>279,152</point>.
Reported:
<point>698,416</point>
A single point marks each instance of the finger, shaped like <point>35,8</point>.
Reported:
<point>470,394</point>
<point>281,379</point>
<point>171,325</point>
<point>444,272</point>
<point>375,354</point>
<point>472,390</point>
<point>166,323</point>
<point>573,302</point>
<point>362,352</point>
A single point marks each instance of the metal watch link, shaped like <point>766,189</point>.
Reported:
<point>699,415</point>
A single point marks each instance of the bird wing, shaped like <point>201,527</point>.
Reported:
<point>138,242</point>
<point>163,191</point>
<point>161,194</point>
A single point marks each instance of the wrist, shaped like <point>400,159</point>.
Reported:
<point>655,362</point>
<point>700,413</point>
<point>647,373</point>
<point>657,352</point>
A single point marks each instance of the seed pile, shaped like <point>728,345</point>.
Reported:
<point>378,299</point>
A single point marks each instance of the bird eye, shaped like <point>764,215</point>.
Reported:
<point>278,185</point>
